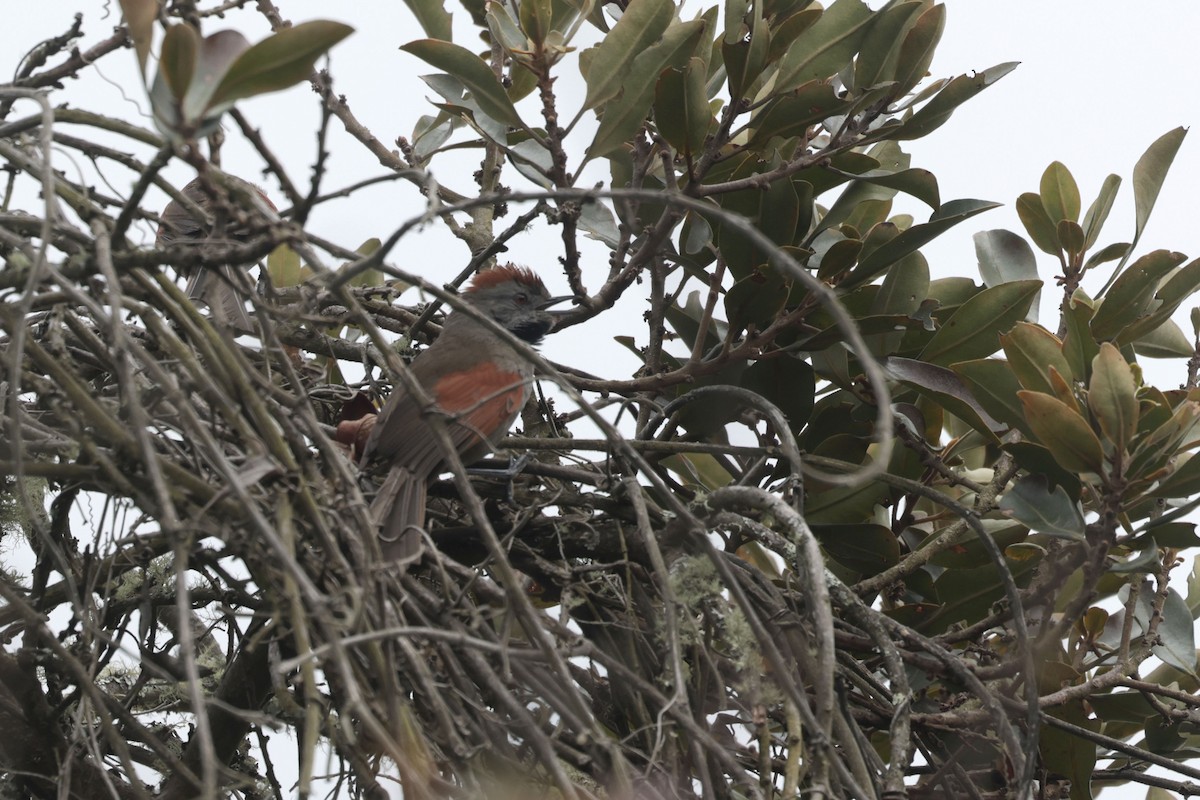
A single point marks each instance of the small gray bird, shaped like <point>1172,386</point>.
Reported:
<point>214,287</point>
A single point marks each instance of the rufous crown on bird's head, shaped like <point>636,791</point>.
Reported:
<point>495,276</point>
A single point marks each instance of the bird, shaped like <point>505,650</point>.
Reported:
<point>214,287</point>
<point>478,384</point>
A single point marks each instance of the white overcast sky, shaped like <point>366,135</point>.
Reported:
<point>1098,82</point>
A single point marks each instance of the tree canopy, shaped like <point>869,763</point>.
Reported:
<point>855,526</point>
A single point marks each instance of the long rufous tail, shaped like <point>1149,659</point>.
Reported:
<point>399,512</point>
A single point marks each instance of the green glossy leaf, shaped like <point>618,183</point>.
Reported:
<point>432,17</point>
<point>755,299</point>
<point>967,595</point>
<point>994,386</point>
<point>285,267</point>
<point>1184,481</point>
<point>1061,429</point>
<point>916,53</point>
<point>473,72</point>
<point>920,183</point>
<point>698,470</point>
<point>178,62</point>
<point>793,113</point>
<point>944,387</point>
<point>535,19</point>
<point>1110,252</point>
<point>1060,193</point>
<point>1067,754</point>
<point>1146,560</point>
<point>280,61</point>
<point>1054,513</point>
<point>946,217</point>
<point>973,331</point>
<point>139,18</point>
<point>621,118</point>
<point>1003,257</point>
<point>1149,174</point>
<point>1097,213</point>
<point>865,548</point>
<point>934,114</point>
<point>1078,346</point>
<point>1112,396</point>
<point>787,382</point>
<point>640,26</point>
<point>1131,294</point>
<point>1166,341</point>
<point>1039,226</point>
<point>503,27</point>
<point>1180,286</point>
<point>1032,351</point>
<point>880,52</point>
<point>1038,460</point>
<point>904,287</point>
<point>826,47</point>
<point>746,57</point>
<point>681,108</point>
<point>1070,238</point>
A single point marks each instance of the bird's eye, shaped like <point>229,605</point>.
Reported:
<point>521,299</point>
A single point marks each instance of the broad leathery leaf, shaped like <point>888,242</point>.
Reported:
<point>973,331</point>
<point>504,29</point>
<point>370,277</point>
<point>944,387</point>
<point>946,217</point>
<point>1053,513</point>
<point>1130,295</point>
<point>784,33</point>
<point>1078,346</point>
<point>1145,560</point>
<point>1070,238</point>
<point>681,108</point>
<point>1097,212</point>
<point>621,118</point>
<point>795,112</point>
<point>1171,294</point>
<point>1110,252</point>
<point>866,548</point>
<point>1066,753</point>
<point>1149,174</point>
<point>994,386</point>
<point>1184,481</point>
<point>920,183</point>
<point>1064,432</point>
<point>215,57</point>
<point>640,26</point>
<point>698,470</point>
<point>826,47</point>
<point>1004,256</point>
<point>1037,222</point>
<point>934,114</point>
<point>285,268</point>
<point>1112,396</point>
<point>139,19</point>
<point>1032,351</point>
<point>755,299</point>
<point>1176,630</point>
<point>1166,341</point>
<point>535,19</point>
<point>433,18</point>
<point>876,63</point>
<point>596,219</point>
<point>745,57</point>
<point>177,64</point>
<point>473,72</point>
<point>789,383</point>
<point>904,287</point>
<point>281,60</point>
<point>916,53</point>
<point>969,594</point>
<point>1059,193</point>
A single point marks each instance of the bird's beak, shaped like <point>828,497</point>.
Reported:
<point>553,301</point>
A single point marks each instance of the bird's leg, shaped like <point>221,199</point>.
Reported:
<point>515,467</point>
